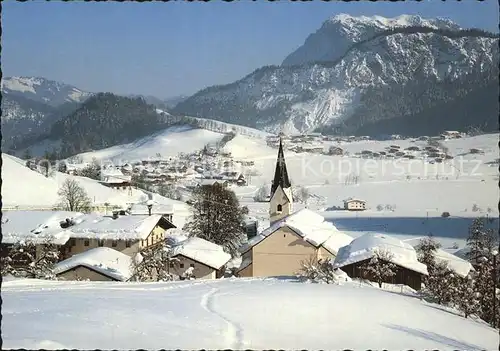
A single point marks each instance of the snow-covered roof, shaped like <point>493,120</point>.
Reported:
<point>211,181</point>
<point>114,175</point>
<point>354,200</point>
<point>95,226</point>
<point>36,226</point>
<point>142,209</point>
<point>363,247</point>
<point>202,251</point>
<point>455,263</point>
<point>104,260</point>
<point>311,226</point>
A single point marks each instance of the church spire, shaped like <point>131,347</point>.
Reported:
<point>280,174</point>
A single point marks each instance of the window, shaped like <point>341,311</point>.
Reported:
<point>280,208</point>
<point>72,242</point>
<point>127,243</point>
<point>191,265</point>
<point>100,243</point>
<point>181,265</point>
<point>86,242</point>
<point>171,265</point>
<point>114,243</point>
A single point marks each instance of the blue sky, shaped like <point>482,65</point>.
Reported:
<point>169,49</point>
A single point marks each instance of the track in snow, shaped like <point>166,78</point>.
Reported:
<point>234,333</point>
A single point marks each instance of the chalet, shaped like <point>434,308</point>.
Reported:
<point>212,182</point>
<point>360,251</point>
<point>114,178</point>
<point>354,205</point>
<point>291,238</point>
<point>38,227</point>
<point>206,260</point>
<point>154,208</point>
<point>98,264</point>
<point>127,234</point>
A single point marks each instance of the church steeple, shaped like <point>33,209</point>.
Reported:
<point>281,173</point>
<point>280,204</point>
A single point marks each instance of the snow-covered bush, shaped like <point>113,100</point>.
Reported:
<point>261,194</point>
<point>321,271</point>
<point>29,260</point>
<point>153,264</point>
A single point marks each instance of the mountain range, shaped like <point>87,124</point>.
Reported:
<point>368,75</point>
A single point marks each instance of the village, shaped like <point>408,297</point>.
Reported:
<point>107,246</point>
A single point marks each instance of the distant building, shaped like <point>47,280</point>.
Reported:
<point>354,205</point>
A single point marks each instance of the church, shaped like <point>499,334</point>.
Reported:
<point>292,237</point>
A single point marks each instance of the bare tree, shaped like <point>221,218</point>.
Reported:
<point>73,197</point>
<point>379,268</point>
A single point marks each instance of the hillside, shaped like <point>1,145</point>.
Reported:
<point>230,314</point>
<point>29,189</point>
<point>168,142</point>
<point>43,90</point>
<point>26,121</point>
<point>327,87</point>
<point>105,120</point>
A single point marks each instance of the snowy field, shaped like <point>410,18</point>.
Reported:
<point>26,189</point>
<point>168,142</point>
<point>229,314</point>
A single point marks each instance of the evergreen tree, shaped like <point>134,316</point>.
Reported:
<point>467,297</point>
<point>217,217</point>
<point>481,240</point>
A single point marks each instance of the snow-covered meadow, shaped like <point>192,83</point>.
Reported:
<point>229,314</point>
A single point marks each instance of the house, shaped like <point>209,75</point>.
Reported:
<point>291,238</point>
<point>354,205</point>
<point>39,227</point>
<point>211,182</point>
<point>352,257</point>
<point>142,209</point>
<point>127,234</point>
<point>114,178</point>
<point>205,259</point>
<point>98,264</point>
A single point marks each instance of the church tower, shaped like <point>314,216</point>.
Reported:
<point>280,204</point>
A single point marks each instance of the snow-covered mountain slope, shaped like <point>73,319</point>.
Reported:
<point>168,142</point>
<point>339,32</point>
<point>43,90</point>
<point>419,62</point>
<point>29,189</point>
<point>230,314</point>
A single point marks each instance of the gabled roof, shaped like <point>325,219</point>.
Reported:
<point>103,260</point>
<point>309,225</point>
<point>36,226</point>
<point>363,247</point>
<point>281,173</point>
<point>95,226</point>
<point>203,251</point>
